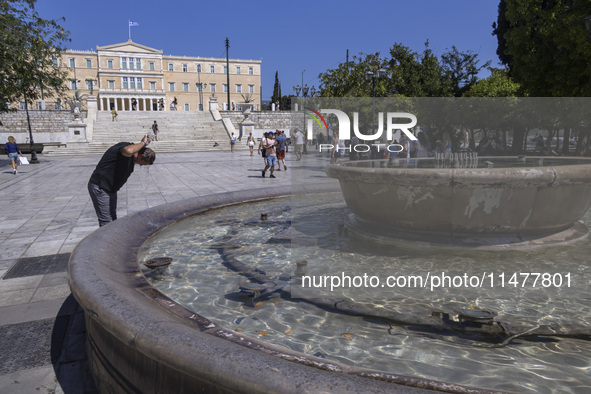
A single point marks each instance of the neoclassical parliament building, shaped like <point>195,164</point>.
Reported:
<point>130,76</point>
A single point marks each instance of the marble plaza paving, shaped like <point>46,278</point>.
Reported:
<point>46,210</point>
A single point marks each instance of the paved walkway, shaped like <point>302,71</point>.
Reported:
<point>46,211</point>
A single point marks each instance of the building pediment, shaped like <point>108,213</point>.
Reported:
<point>128,47</point>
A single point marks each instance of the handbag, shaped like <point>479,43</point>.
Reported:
<point>22,160</point>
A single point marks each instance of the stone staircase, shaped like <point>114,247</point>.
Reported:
<point>179,132</point>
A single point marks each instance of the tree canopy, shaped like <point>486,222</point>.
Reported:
<point>408,73</point>
<point>545,45</point>
<point>28,46</point>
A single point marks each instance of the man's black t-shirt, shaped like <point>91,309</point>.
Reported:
<point>113,169</point>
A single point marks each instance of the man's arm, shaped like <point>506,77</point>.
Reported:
<point>130,150</point>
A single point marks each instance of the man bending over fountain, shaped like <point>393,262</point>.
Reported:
<point>112,172</point>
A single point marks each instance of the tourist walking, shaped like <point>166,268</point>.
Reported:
<point>155,130</point>
<point>262,151</point>
<point>232,142</point>
<point>13,152</point>
<point>281,149</point>
<point>250,143</point>
<point>299,144</point>
<point>270,145</point>
<point>114,115</point>
<point>112,172</point>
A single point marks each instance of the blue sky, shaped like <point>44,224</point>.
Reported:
<point>288,36</point>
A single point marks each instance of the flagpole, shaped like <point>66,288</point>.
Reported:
<point>129,27</point>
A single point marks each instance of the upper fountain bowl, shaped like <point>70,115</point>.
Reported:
<point>506,198</point>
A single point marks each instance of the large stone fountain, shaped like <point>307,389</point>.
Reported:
<point>515,205</point>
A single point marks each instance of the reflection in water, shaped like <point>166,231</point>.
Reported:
<point>311,229</point>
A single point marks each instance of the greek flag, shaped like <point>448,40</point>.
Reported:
<point>133,23</point>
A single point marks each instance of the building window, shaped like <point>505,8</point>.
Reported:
<point>225,70</point>
<point>212,87</point>
<point>185,87</point>
<point>124,63</point>
<point>73,84</point>
<point>138,63</point>
<point>89,84</point>
<point>199,87</point>
<point>171,86</point>
<point>111,84</point>
<point>139,83</point>
<point>225,88</point>
<point>238,88</point>
<point>23,105</point>
<point>58,105</point>
<point>199,68</point>
<point>250,70</point>
<point>212,69</point>
<point>54,62</point>
<point>152,85</point>
<point>186,106</point>
<point>185,68</point>
<point>250,88</point>
<point>237,69</point>
<point>72,62</point>
<point>88,63</point>
<point>170,67</point>
<point>132,83</point>
<point>152,66</point>
<point>110,63</point>
<point>131,63</point>
<point>200,106</point>
<point>125,84</point>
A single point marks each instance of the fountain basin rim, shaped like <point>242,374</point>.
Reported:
<point>123,309</point>
<point>532,176</point>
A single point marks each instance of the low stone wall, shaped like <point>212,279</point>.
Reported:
<point>46,125</point>
<point>51,126</point>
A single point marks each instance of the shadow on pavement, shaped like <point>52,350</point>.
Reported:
<point>68,349</point>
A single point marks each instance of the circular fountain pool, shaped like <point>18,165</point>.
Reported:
<point>312,229</point>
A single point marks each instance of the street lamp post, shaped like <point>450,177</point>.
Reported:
<point>305,91</point>
<point>200,87</point>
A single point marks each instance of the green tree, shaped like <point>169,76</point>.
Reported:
<point>27,48</point>
<point>408,73</point>
<point>461,70</point>
<point>498,84</point>
<point>348,79</point>
<point>417,74</point>
<point>276,89</point>
<point>547,49</point>
<point>545,45</point>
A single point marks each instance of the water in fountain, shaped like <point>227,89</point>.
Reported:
<point>199,278</point>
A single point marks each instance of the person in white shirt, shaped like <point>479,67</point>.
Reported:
<point>299,144</point>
